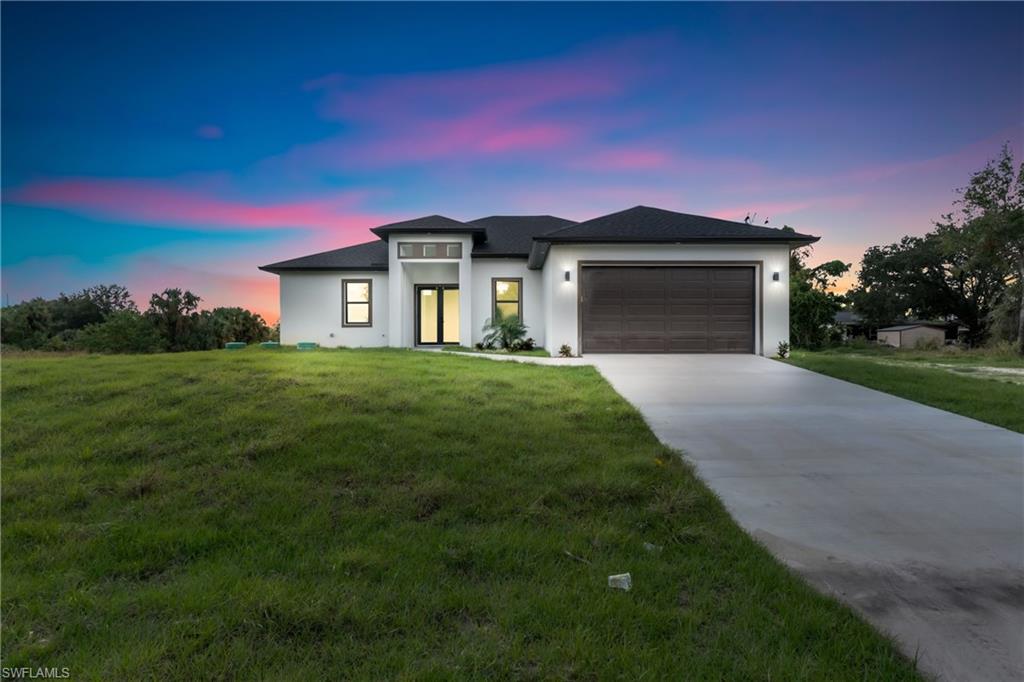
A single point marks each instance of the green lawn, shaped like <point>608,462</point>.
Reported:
<point>988,386</point>
<point>378,514</point>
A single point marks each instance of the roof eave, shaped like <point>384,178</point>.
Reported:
<point>541,245</point>
<point>500,255</point>
<point>802,240</point>
<point>479,234</point>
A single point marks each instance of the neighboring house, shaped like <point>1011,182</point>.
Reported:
<point>644,280</point>
<point>853,325</point>
<point>913,334</point>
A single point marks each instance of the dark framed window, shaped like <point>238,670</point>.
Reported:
<point>508,296</point>
<point>430,249</point>
<point>356,302</point>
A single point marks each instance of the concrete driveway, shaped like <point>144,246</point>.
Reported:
<point>912,515</point>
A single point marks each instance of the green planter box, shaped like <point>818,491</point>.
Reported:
<point>270,344</point>
<point>234,345</point>
<point>306,345</point>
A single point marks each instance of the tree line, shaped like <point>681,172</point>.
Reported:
<point>969,267</point>
<point>105,319</point>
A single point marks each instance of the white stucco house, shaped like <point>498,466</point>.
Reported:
<point>643,280</point>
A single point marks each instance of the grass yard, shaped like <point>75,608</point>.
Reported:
<point>985,385</point>
<point>378,514</point>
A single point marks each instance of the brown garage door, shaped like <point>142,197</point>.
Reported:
<point>667,309</point>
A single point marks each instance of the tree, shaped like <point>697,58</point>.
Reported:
<point>239,324</point>
<point>964,268</point>
<point>927,277</point>
<point>27,325</point>
<point>124,331</point>
<point>988,230</point>
<point>90,306</point>
<point>110,298</point>
<point>812,302</point>
<point>173,312</point>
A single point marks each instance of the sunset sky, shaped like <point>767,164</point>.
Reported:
<point>186,144</point>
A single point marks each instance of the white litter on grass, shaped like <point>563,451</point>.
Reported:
<point>650,547</point>
<point>622,581</point>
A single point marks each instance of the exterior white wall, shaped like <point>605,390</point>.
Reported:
<point>561,298</point>
<point>405,273</point>
<point>311,309</point>
<point>484,270</point>
<point>424,272</point>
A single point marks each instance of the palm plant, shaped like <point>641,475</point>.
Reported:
<point>503,332</point>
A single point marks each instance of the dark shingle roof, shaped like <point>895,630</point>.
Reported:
<point>913,325</point>
<point>848,317</point>
<point>430,224</point>
<point>369,256</point>
<point>646,224</point>
<point>519,236</point>
<point>512,235</point>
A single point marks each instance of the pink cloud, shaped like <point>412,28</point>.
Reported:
<point>220,280</point>
<point>628,159</point>
<point>229,284</point>
<point>209,131</point>
<point>163,203</point>
<point>774,211</point>
<point>467,114</point>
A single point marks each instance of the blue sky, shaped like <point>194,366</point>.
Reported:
<point>184,144</point>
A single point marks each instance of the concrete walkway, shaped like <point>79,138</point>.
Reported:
<point>912,515</point>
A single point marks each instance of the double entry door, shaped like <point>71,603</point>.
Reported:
<point>437,314</point>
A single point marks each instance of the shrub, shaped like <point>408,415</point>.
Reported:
<point>63,341</point>
<point>26,325</point>
<point>503,332</point>
<point>523,345</point>
<point>565,351</point>
<point>783,349</point>
<point>122,332</point>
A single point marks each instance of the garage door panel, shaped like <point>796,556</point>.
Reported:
<point>730,310</point>
<point>645,326</point>
<point>687,309</point>
<point>606,309</point>
<point>740,327</point>
<point>666,309</point>
<point>687,274</point>
<point>726,344</point>
<point>644,343</point>
<point>604,343</point>
<point>676,325</point>
<point>644,309</point>
<point>681,344</point>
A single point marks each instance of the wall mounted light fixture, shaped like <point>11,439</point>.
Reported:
<point>775,276</point>
<point>568,276</point>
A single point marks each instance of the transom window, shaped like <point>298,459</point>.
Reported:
<point>508,297</point>
<point>356,302</point>
<point>430,249</point>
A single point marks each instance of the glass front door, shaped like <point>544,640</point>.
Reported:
<point>437,314</point>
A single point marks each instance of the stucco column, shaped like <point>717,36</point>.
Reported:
<point>466,295</point>
<point>396,283</point>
